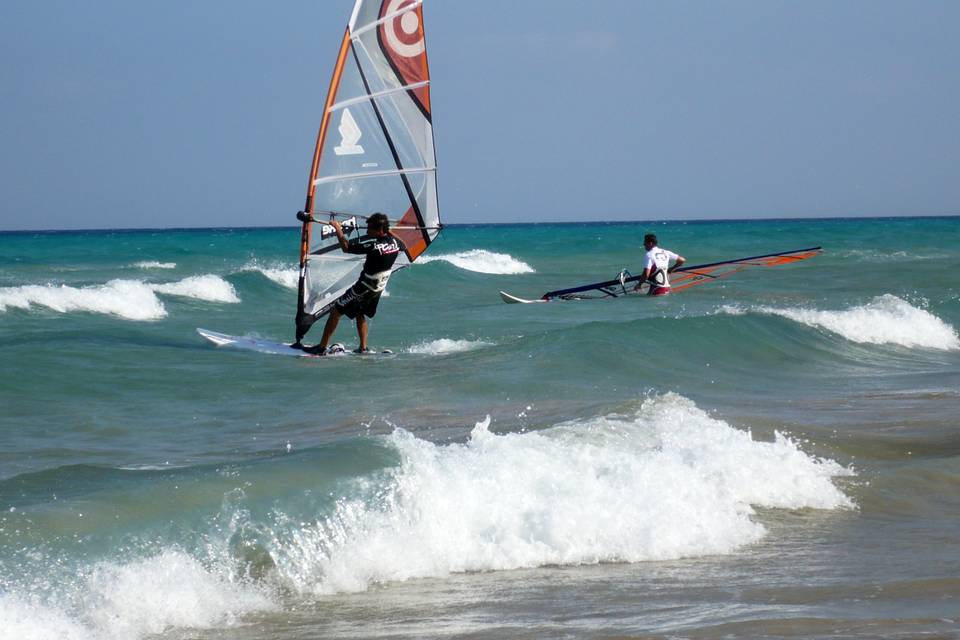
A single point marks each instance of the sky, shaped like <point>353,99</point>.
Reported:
<point>119,114</point>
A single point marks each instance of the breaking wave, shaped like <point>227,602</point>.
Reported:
<point>886,319</point>
<point>482,261</point>
<point>667,481</point>
<point>209,287</point>
<point>661,480</point>
<point>285,276</point>
<point>153,264</point>
<point>124,600</point>
<point>128,299</point>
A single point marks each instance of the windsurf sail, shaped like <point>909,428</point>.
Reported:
<point>374,152</point>
<point>682,278</point>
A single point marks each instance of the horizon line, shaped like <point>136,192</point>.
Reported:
<point>503,224</point>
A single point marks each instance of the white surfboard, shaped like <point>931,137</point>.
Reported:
<point>509,299</point>
<point>262,345</point>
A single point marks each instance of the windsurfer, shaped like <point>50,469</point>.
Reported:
<point>656,266</point>
<point>381,249</point>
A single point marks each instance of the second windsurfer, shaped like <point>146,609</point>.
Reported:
<point>657,267</point>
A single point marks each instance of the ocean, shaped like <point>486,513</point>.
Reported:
<point>773,455</point>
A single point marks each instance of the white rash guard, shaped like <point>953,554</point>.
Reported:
<point>658,261</point>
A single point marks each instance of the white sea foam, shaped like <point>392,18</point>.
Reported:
<point>153,264</point>
<point>874,255</point>
<point>667,481</point>
<point>171,589</point>
<point>443,346</point>
<point>123,601</point>
<point>209,287</point>
<point>663,481</point>
<point>22,619</point>
<point>128,299</point>
<point>481,261</point>
<point>886,319</point>
<point>283,275</point>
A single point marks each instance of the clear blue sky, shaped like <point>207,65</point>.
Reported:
<point>132,114</point>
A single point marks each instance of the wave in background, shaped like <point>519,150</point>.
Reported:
<point>886,319</point>
<point>481,261</point>
<point>880,255</point>
<point>209,287</point>
<point>281,274</point>
<point>128,299</point>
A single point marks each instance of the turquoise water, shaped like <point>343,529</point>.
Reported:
<point>778,452</point>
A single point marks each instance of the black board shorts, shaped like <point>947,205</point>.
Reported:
<point>356,300</point>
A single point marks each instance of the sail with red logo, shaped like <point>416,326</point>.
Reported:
<point>374,152</point>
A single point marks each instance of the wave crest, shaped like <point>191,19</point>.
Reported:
<point>482,261</point>
<point>209,287</point>
<point>283,275</point>
<point>128,299</point>
<point>666,482</point>
<point>886,319</point>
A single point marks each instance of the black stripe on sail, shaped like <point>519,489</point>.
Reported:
<point>393,148</point>
<point>302,321</point>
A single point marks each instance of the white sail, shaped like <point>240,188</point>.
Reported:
<point>374,151</point>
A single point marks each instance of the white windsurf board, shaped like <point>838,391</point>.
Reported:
<point>262,345</point>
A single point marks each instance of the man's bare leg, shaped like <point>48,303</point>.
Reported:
<point>362,327</point>
<point>329,328</point>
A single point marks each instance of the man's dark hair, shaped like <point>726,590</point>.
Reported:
<point>650,237</point>
<point>378,222</point>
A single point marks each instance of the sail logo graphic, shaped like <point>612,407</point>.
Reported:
<point>400,36</point>
<point>403,33</point>
<point>347,226</point>
<point>350,135</point>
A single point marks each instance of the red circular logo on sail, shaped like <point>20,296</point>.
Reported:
<point>404,33</point>
<point>401,37</point>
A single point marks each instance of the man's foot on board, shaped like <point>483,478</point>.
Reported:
<point>315,350</point>
<point>364,351</point>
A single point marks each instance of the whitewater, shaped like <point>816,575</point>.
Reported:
<point>660,480</point>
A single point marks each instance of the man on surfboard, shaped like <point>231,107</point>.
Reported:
<point>656,266</point>
<point>381,249</point>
